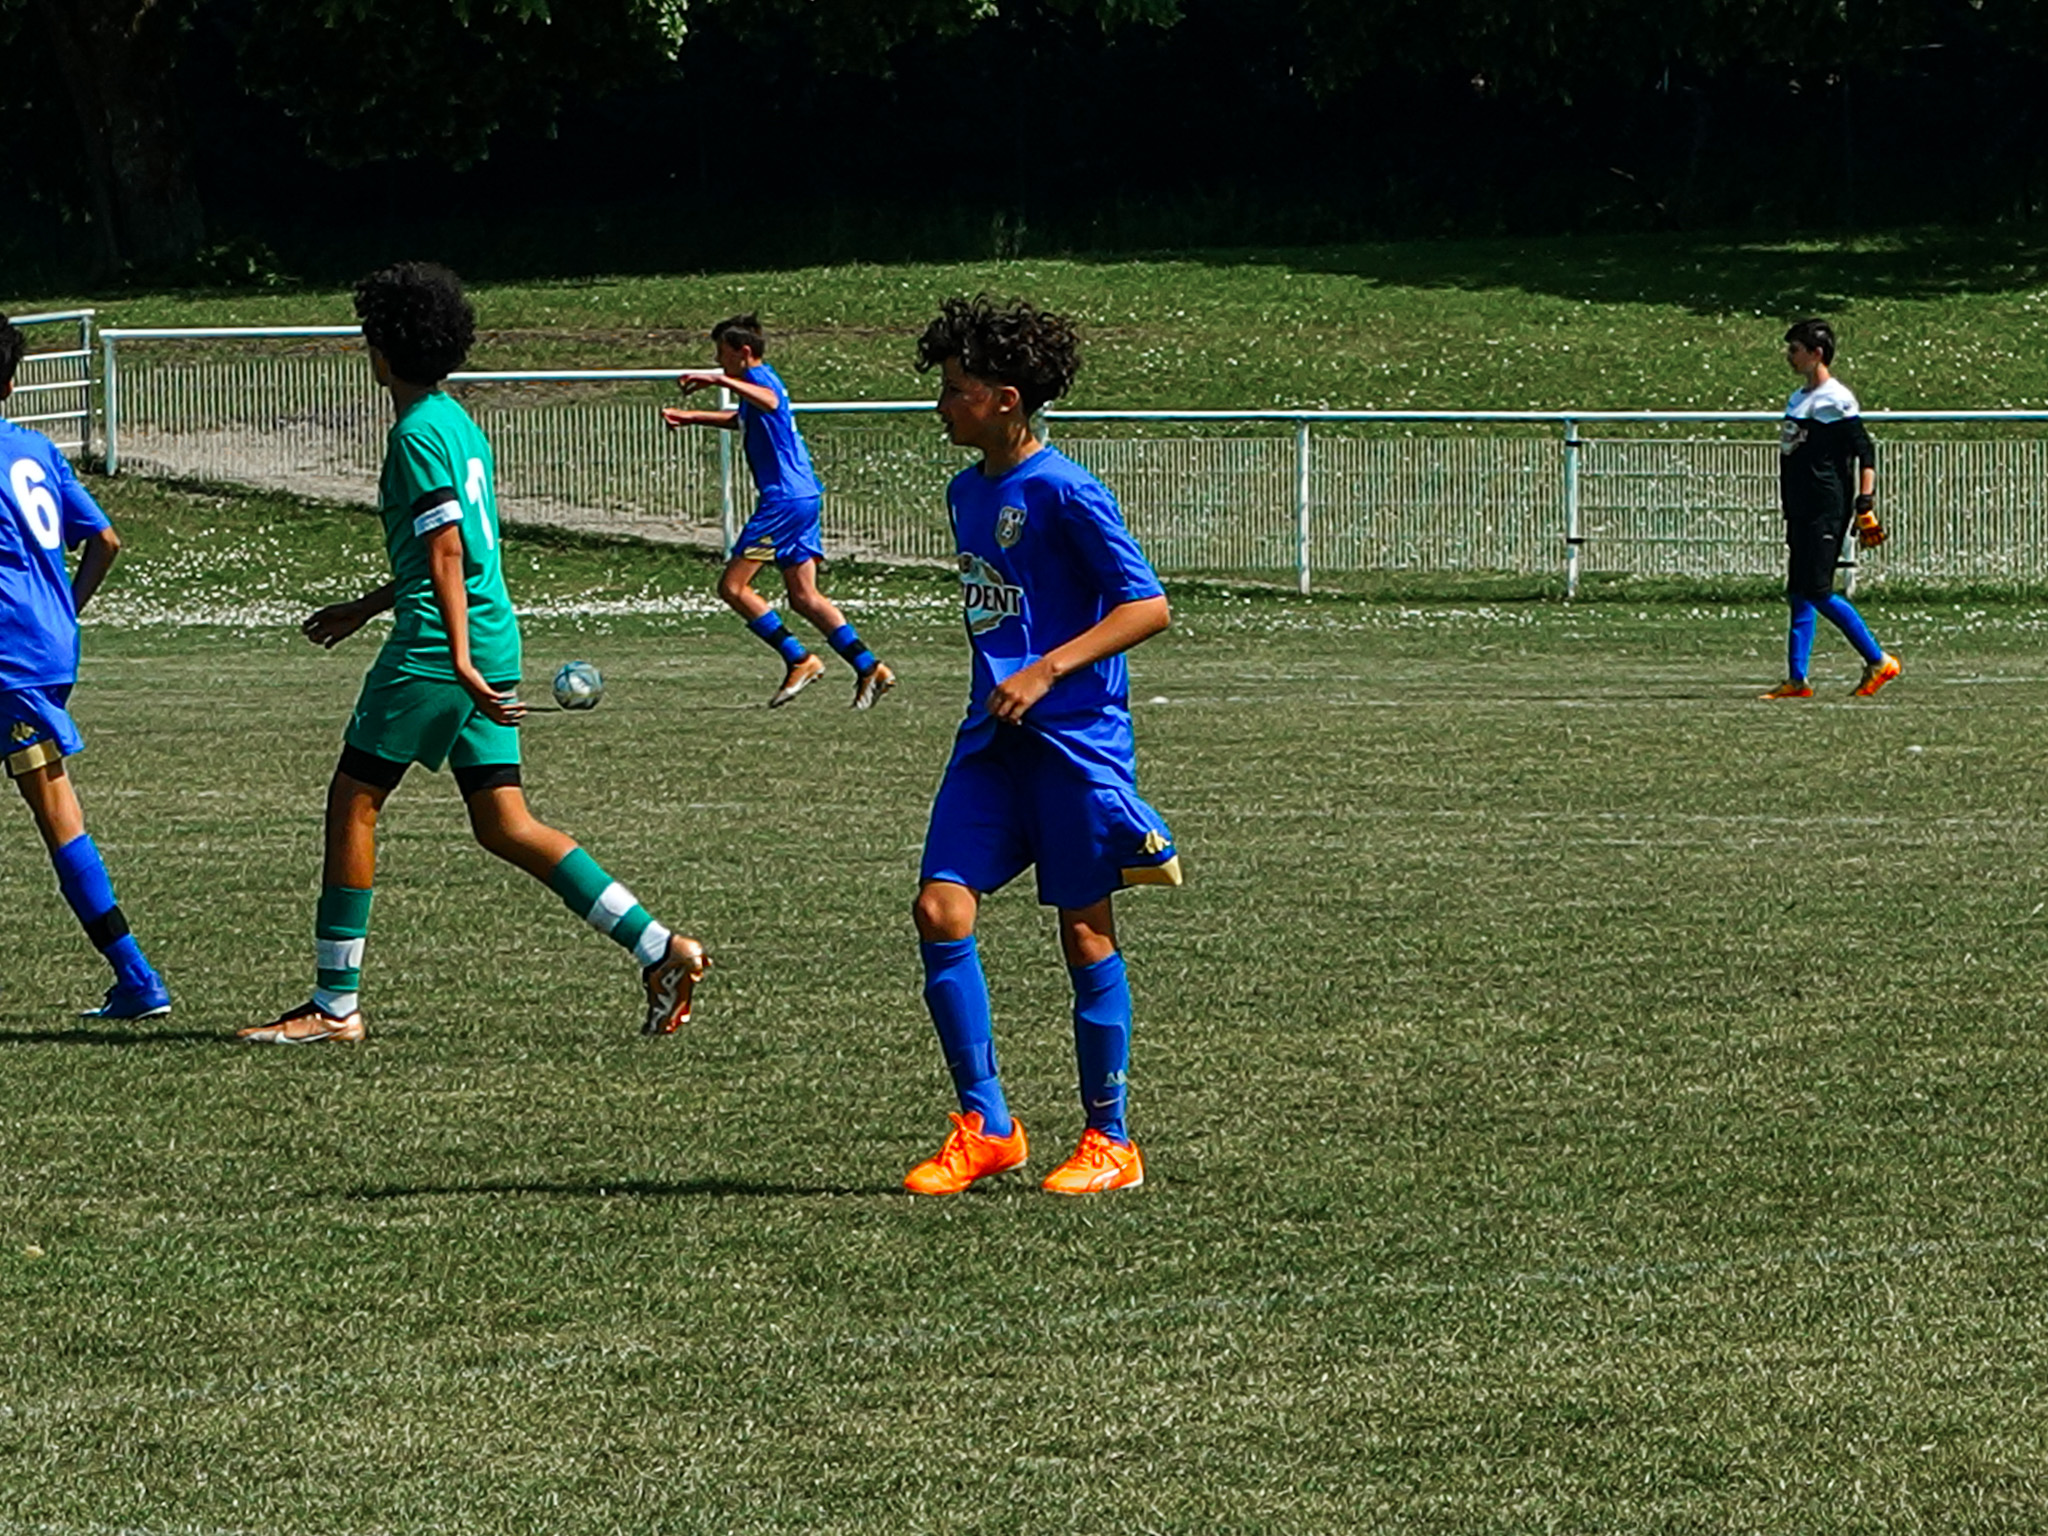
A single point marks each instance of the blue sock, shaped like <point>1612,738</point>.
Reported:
<point>1102,1042</point>
<point>770,629</point>
<point>1799,639</point>
<point>852,650</point>
<point>1843,615</point>
<point>82,877</point>
<point>956,992</point>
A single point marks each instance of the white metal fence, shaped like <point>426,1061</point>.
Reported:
<point>1273,493</point>
<point>53,387</point>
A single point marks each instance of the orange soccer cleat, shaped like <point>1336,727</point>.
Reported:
<point>1098,1164</point>
<point>305,1025</point>
<point>1791,688</point>
<point>669,983</point>
<point>1877,674</point>
<point>800,676</point>
<point>968,1155</point>
<point>874,682</point>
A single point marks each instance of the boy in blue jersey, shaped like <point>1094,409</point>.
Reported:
<point>1823,450</point>
<point>1043,770</point>
<point>43,512</point>
<point>785,528</point>
<point>442,689</point>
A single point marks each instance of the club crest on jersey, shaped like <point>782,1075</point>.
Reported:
<point>1009,526</point>
<point>987,598</point>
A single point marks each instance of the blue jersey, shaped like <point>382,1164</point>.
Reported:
<point>1044,555</point>
<point>43,512</point>
<point>775,449</point>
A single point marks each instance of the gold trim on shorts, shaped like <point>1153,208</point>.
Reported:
<point>1155,874</point>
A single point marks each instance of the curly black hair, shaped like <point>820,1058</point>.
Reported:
<point>742,331</point>
<point>414,313</point>
<point>13,347</point>
<point>1035,352</point>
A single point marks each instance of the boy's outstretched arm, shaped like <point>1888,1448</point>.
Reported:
<point>1116,631</point>
<point>333,624</point>
<point>676,416</point>
<point>93,564</point>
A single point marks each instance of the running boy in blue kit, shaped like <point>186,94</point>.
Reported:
<point>44,511</point>
<point>1043,770</point>
<point>786,527</point>
<point>442,688</point>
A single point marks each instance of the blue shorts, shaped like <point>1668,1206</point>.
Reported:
<point>36,729</point>
<point>783,533</point>
<point>1020,801</point>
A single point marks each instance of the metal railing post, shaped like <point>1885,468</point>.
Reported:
<point>85,387</point>
<point>1574,535</point>
<point>1301,504</point>
<point>110,402</point>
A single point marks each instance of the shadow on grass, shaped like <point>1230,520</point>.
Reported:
<point>1706,273</point>
<point>630,1189</point>
<point>87,1034</point>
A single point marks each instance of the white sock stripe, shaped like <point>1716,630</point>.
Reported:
<point>653,944</point>
<point>338,954</point>
<point>613,903</point>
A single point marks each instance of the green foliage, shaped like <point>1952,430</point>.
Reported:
<point>395,80</point>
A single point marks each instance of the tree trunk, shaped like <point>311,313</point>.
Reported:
<point>117,58</point>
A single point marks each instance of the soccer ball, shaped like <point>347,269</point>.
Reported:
<point>578,685</point>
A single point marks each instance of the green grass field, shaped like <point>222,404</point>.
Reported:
<point>1929,320</point>
<point>1576,1096</point>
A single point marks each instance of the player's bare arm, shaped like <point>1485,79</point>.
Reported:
<point>451,596</point>
<point>677,416</point>
<point>328,627</point>
<point>1124,626</point>
<point>94,561</point>
<point>760,396</point>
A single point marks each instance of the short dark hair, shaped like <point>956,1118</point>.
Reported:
<point>1034,351</point>
<point>13,348</point>
<point>742,331</point>
<point>1815,336</point>
<point>414,312</point>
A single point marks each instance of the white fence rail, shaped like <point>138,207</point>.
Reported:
<point>53,387</point>
<point>1275,493</point>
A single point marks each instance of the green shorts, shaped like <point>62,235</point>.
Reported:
<point>427,721</point>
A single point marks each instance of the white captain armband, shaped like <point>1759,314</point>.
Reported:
<point>434,510</point>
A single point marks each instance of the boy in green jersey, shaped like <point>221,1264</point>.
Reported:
<point>442,690</point>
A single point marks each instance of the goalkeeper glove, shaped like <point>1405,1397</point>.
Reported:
<point>1869,531</point>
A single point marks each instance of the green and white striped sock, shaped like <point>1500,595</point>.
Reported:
<point>608,906</point>
<point>341,924</point>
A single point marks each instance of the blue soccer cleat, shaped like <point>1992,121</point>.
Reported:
<point>150,1000</point>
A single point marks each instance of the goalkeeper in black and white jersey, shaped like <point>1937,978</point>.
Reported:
<point>1824,452</point>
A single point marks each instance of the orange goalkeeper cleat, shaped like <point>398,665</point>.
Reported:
<point>967,1156</point>
<point>1877,674</point>
<point>1098,1164</point>
<point>1791,688</point>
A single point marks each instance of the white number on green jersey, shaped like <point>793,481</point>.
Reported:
<point>37,505</point>
<point>478,488</point>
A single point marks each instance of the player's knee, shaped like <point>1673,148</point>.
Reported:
<point>733,589</point>
<point>941,916</point>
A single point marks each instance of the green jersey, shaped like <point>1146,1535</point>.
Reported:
<point>437,471</point>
